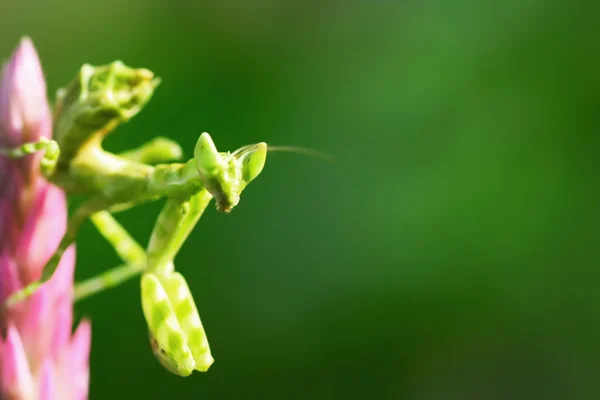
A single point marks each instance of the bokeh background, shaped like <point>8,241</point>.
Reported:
<point>451,252</point>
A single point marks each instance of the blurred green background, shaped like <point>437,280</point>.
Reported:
<point>451,252</point>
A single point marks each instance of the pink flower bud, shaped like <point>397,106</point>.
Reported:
<point>39,356</point>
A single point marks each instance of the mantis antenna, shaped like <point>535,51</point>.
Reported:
<point>327,157</point>
<point>306,151</point>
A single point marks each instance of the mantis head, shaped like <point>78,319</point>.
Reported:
<point>225,175</point>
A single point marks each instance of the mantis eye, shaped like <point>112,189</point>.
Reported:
<point>254,162</point>
<point>208,159</point>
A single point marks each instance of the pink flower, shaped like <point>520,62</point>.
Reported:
<point>39,356</point>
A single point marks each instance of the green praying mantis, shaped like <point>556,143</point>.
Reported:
<point>86,111</point>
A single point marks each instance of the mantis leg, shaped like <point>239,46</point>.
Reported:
<point>133,254</point>
<point>126,247</point>
<point>176,332</point>
<point>75,221</point>
<point>107,280</point>
<point>158,150</point>
<point>129,250</point>
<point>174,224</point>
<point>49,160</point>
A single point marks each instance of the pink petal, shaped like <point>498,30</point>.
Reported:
<point>80,358</point>
<point>36,325</point>
<point>43,229</point>
<point>47,323</point>
<point>9,276</point>
<point>62,280</point>
<point>63,320</point>
<point>47,389</point>
<point>10,212</point>
<point>16,380</point>
<point>81,344</point>
<point>3,207</point>
<point>5,173</point>
<point>23,102</point>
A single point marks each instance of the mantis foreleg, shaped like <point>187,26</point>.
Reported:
<point>176,332</point>
<point>174,224</point>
